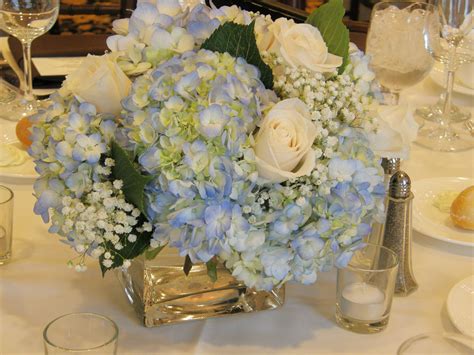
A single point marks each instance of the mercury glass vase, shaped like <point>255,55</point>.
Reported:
<point>161,293</point>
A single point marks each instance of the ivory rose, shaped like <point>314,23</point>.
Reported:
<point>99,81</point>
<point>266,33</point>
<point>283,144</point>
<point>300,45</point>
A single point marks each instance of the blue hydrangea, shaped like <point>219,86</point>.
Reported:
<point>190,120</point>
<point>200,110</point>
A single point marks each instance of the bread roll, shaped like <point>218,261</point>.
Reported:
<point>462,209</point>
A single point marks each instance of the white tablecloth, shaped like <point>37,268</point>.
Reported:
<point>37,286</point>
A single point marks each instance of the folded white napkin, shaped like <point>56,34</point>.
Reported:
<point>397,129</point>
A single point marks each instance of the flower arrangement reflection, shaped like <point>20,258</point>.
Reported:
<point>263,165</point>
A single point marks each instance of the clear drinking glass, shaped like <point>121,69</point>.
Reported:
<point>450,40</point>
<point>365,289</point>
<point>6,224</point>
<point>395,42</point>
<point>81,333</point>
<point>27,20</point>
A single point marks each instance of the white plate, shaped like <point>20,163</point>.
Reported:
<point>460,306</point>
<point>24,173</point>
<point>429,220</point>
<point>437,74</point>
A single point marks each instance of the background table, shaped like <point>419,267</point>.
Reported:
<point>37,286</point>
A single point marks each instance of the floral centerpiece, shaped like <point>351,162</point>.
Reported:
<point>222,133</point>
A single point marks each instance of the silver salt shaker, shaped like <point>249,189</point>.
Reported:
<point>390,166</point>
<point>398,228</point>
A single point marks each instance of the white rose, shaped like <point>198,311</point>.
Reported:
<point>302,45</point>
<point>266,32</point>
<point>396,130</point>
<point>99,81</point>
<point>283,144</point>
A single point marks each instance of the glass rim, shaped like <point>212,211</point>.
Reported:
<point>458,338</point>
<point>8,190</point>
<point>96,315</point>
<point>393,264</point>
<point>402,2</point>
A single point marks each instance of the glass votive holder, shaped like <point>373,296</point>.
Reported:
<point>81,333</point>
<point>6,224</point>
<point>365,289</point>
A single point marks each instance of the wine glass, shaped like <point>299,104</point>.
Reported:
<point>448,41</point>
<point>439,343</point>
<point>395,42</point>
<point>27,20</point>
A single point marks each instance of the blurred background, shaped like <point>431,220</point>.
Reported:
<point>96,16</point>
<point>83,25</point>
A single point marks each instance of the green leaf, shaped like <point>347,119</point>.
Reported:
<point>133,181</point>
<point>188,264</point>
<point>129,251</point>
<point>212,269</point>
<point>328,20</point>
<point>150,254</point>
<point>239,41</point>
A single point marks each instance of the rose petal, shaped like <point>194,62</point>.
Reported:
<point>274,175</point>
<point>332,62</point>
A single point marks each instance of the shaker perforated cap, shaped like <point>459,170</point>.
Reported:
<point>400,185</point>
<point>390,165</point>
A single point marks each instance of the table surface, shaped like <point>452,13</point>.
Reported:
<point>37,286</point>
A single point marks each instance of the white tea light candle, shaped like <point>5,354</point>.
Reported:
<point>362,301</point>
<point>362,306</point>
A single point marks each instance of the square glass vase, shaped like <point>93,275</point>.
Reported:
<point>161,293</point>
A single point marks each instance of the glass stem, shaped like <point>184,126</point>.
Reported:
<point>447,102</point>
<point>449,94</point>
<point>28,75</point>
